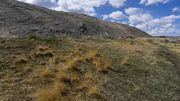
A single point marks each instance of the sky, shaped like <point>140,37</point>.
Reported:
<point>156,17</point>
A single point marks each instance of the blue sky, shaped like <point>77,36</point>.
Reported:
<point>157,17</point>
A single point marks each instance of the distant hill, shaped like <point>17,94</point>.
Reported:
<point>19,19</point>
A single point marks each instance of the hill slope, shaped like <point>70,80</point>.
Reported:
<point>69,69</point>
<point>20,19</point>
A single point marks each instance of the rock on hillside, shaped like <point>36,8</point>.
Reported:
<point>19,19</point>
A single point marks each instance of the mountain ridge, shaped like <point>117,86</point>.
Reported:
<point>18,19</point>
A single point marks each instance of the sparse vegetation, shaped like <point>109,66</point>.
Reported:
<point>69,69</point>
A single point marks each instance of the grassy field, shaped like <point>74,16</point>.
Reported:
<point>69,69</point>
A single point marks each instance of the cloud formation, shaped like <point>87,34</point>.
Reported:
<point>176,9</point>
<point>161,26</point>
<point>137,15</point>
<point>155,26</point>
<point>152,2</point>
<point>78,6</point>
<point>117,15</point>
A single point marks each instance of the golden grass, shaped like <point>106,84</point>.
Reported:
<point>65,83</point>
<point>67,76</point>
<point>91,54</point>
<point>89,76</point>
<point>46,73</point>
<point>71,64</point>
<point>102,64</point>
<point>66,73</point>
<point>125,61</point>
<point>55,93</point>
<point>94,92</point>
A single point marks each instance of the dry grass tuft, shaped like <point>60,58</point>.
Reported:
<point>94,92</point>
<point>21,60</point>
<point>44,54</point>
<point>67,76</point>
<point>92,54</point>
<point>42,48</point>
<point>56,93</point>
<point>71,64</point>
<point>43,51</point>
<point>88,76</point>
<point>77,51</point>
<point>125,61</point>
<point>102,65</point>
<point>47,73</point>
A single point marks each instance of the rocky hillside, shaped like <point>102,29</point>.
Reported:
<point>20,19</point>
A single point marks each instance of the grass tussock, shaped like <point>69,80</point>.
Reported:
<point>125,61</point>
<point>67,76</point>
<point>21,60</point>
<point>94,92</point>
<point>92,54</point>
<point>71,64</point>
<point>43,51</point>
<point>47,73</point>
<point>70,77</point>
<point>102,64</point>
<point>55,93</point>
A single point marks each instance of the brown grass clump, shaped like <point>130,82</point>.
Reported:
<point>55,93</point>
<point>42,48</point>
<point>87,81</point>
<point>47,73</point>
<point>67,76</point>
<point>125,61</point>
<point>92,54</point>
<point>43,51</point>
<point>71,64</point>
<point>77,51</point>
<point>70,81</point>
<point>94,92</point>
<point>89,76</point>
<point>101,64</point>
<point>21,60</point>
<point>44,54</point>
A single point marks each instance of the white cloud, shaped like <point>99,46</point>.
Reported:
<point>44,3</point>
<point>161,26</point>
<point>139,18</point>
<point>133,10</point>
<point>151,2</point>
<point>78,6</point>
<point>137,15</point>
<point>117,15</point>
<point>176,9</point>
<point>117,3</point>
<point>154,26</point>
